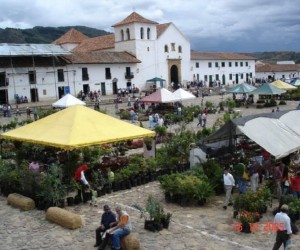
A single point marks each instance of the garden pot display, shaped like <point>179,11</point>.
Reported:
<point>202,202</point>
<point>149,225</point>
<point>246,228</point>
<point>235,213</point>
<point>61,203</point>
<point>70,201</point>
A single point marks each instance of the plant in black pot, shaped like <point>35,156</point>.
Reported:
<point>53,190</point>
<point>148,143</point>
<point>203,191</point>
<point>152,213</point>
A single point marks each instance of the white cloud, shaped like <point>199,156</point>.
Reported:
<point>218,20</point>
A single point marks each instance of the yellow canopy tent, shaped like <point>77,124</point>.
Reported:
<point>283,85</point>
<point>76,127</point>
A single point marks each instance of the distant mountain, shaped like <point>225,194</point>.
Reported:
<point>40,34</point>
<point>275,56</point>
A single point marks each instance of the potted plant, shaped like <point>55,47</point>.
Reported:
<point>202,192</point>
<point>246,218</point>
<point>152,213</point>
<point>148,143</point>
<point>165,220</point>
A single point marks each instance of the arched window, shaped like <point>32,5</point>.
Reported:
<point>128,34</point>
<point>122,35</point>
<point>166,48</point>
<point>179,49</point>
<point>142,33</point>
<point>148,33</point>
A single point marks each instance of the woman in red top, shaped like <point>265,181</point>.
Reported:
<point>81,180</point>
<point>295,185</point>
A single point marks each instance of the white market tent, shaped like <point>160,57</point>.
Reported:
<point>277,132</point>
<point>67,101</point>
<point>182,94</point>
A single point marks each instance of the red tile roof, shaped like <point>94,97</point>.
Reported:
<point>160,28</point>
<point>102,57</point>
<point>277,67</point>
<point>219,56</point>
<point>134,18</point>
<point>96,43</point>
<point>72,36</point>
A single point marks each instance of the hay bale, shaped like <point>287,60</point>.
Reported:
<point>64,218</point>
<point>130,242</point>
<point>20,201</point>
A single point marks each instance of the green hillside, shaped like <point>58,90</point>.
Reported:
<point>40,34</point>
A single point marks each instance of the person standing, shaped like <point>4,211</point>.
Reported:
<point>229,183</point>
<point>151,124</point>
<point>81,180</point>
<point>107,218</point>
<point>283,224</point>
<point>132,115</point>
<point>254,176</point>
<point>122,228</point>
<point>286,181</point>
<point>160,121</point>
<point>277,176</point>
<point>295,185</point>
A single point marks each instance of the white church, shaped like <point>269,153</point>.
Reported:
<point>139,50</point>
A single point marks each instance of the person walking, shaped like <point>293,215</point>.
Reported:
<point>122,228</point>
<point>284,230</point>
<point>203,117</point>
<point>132,116</point>
<point>286,181</point>
<point>199,119</point>
<point>107,219</point>
<point>229,183</point>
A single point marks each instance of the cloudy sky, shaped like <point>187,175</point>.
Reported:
<point>210,25</point>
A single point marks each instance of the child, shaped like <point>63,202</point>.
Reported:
<point>93,201</point>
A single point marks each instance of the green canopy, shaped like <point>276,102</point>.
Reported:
<point>268,89</point>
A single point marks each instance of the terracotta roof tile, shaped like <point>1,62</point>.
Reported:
<point>96,43</point>
<point>160,28</point>
<point>102,57</point>
<point>72,36</point>
<point>219,56</point>
<point>133,18</point>
<point>277,67</point>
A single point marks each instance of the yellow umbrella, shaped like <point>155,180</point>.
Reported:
<point>283,85</point>
<point>76,127</point>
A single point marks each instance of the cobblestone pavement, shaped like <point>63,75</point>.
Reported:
<point>193,228</point>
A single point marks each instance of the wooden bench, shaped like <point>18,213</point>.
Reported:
<point>64,218</point>
<point>20,201</point>
<point>130,242</point>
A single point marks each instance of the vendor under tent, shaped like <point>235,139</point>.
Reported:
<point>268,89</point>
<point>277,132</point>
<point>182,94</point>
<point>283,85</point>
<point>240,89</point>
<point>77,127</point>
<point>67,101</point>
<point>160,96</point>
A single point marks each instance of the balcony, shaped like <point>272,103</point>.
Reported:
<point>129,75</point>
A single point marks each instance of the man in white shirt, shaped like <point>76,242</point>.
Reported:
<point>283,224</point>
<point>229,183</point>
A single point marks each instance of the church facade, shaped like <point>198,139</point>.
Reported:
<point>139,54</point>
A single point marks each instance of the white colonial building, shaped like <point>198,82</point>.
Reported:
<point>138,50</point>
<point>282,71</point>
